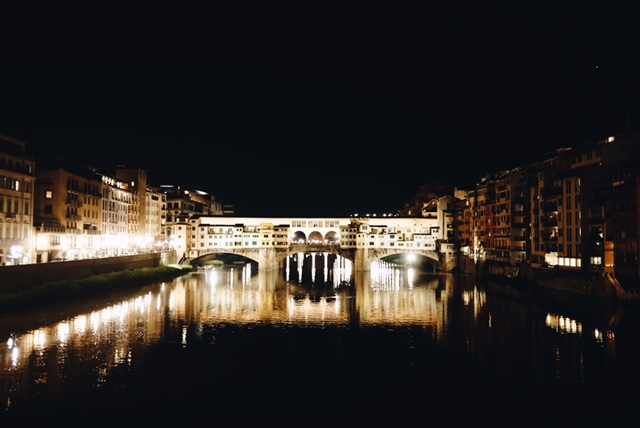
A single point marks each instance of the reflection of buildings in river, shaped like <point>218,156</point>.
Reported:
<point>387,296</point>
<point>262,298</point>
<point>391,294</point>
<point>568,326</point>
<point>474,299</point>
<point>93,343</point>
<point>96,342</point>
<point>239,295</point>
<point>99,340</point>
<point>318,269</point>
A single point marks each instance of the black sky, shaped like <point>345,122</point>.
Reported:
<point>317,112</point>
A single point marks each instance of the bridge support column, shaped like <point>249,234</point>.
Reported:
<point>267,260</point>
<point>362,263</point>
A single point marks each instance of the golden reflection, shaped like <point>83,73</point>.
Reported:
<point>323,310</point>
<point>395,291</point>
<point>342,271</point>
<point>597,334</point>
<point>96,342</point>
<point>246,274</point>
<point>411,274</point>
<point>63,332</point>
<point>563,324</point>
<point>119,333</point>
<point>39,338</point>
<point>80,324</point>
<point>171,300</point>
<point>15,353</point>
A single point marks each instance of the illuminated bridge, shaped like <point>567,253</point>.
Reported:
<point>269,241</point>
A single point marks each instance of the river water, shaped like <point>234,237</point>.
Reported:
<point>309,347</point>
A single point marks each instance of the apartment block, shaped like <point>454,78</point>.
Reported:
<point>17,185</point>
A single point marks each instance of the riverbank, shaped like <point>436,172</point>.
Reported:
<point>52,292</point>
<point>600,286</point>
<point>21,277</point>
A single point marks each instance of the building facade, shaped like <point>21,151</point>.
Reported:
<point>574,210</point>
<point>17,184</point>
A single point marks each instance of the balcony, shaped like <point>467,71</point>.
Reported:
<point>52,229</point>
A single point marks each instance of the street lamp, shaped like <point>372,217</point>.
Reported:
<point>16,253</point>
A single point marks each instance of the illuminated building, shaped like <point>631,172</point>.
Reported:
<point>17,184</point>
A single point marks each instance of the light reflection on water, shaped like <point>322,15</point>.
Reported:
<point>84,351</point>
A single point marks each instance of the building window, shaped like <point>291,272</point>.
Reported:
<point>48,194</point>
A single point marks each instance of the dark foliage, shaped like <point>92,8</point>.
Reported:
<point>58,291</point>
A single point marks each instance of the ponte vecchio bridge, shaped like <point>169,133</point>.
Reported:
<point>268,241</point>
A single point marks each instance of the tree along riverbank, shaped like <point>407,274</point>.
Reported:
<point>97,285</point>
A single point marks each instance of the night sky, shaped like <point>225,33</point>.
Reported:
<point>317,112</point>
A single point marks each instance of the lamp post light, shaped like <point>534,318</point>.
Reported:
<point>410,258</point>
<point>16,254</point>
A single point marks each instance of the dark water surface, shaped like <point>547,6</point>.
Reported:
<point>292,348</point>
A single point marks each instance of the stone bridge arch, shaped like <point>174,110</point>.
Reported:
<point>373,255</point>
<point>252,254</point>
<point>273,258</point>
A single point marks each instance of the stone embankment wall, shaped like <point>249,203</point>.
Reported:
<point>21,277</point>
<point>597,286</point>
<point>466,265</point>
<point>572,282</point>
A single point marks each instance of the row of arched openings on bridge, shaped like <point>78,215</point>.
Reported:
<point>315,238</point>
